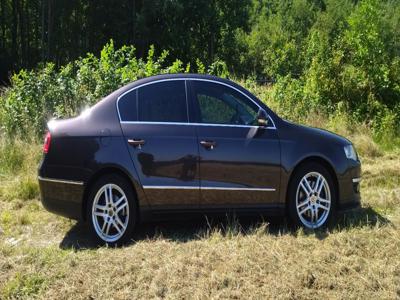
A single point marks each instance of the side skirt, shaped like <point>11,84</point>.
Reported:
<point>188,213</point>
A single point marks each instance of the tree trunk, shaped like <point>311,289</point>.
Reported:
<point>50,19</point>
<point>28,27</point>
<point>22,32</point>
<point>211,48</point>
<point>133,21</point>
<point>14,28</point>
<point>38,10</point>
<point>3,25</point>
<point>43,17</point>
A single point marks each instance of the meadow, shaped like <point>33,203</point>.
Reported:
<point>327,63</point>
<point>48,257</point>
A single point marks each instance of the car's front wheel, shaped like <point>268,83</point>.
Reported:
<point>312,196</point>
<point>111,210</point>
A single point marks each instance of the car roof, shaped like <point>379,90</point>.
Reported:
<point>117,93</point>
<point>111,98</point>
<point>174,76</point>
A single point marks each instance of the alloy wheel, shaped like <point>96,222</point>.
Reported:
<point>313,200</point>
<point>110,213</point>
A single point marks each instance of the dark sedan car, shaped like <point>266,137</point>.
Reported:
<point>188,143</point>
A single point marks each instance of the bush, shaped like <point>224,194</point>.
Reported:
<point>48,92</point>
<point>328,57</point>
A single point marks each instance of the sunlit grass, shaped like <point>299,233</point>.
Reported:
<point>48,257</point>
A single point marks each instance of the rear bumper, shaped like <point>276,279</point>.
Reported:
<point>62,197</point>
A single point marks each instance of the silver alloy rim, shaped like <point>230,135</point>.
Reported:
<point>110,212</point>
<point>313,200</point>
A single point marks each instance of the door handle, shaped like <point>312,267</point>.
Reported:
<point>137,143</point>
<point>208,144</point>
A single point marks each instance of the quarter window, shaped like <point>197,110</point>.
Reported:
<point>127,106</point>
<point>219,104</point>
<point>163,102</point>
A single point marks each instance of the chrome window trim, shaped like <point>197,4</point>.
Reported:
<point>191,124</point>
<point>174,187</point>
<point>60,181</point>
<point>187,106</point>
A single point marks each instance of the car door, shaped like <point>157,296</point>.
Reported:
<point>239,161</point>
<point>164,150</point>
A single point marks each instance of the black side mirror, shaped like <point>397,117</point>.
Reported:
<point>262,117</point>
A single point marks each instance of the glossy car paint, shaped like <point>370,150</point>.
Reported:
<point>249,168</point>
<point>167,164</point>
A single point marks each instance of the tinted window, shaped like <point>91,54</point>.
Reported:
<point>163,102</point>
<point>219,104</point>
<point>127,106</point>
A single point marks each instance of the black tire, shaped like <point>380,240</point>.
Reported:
<point>305,169</point>
<point>130,209</point>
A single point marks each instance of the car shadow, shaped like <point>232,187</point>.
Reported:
<point>79,237</point>
<point>361,217</point>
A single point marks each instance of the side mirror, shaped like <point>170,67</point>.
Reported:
<point>262,117</point>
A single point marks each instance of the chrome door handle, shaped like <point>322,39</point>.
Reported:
<point>208,144</point>
<point>137,143</point>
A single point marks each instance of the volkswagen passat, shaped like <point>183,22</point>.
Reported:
<point>191,144</point>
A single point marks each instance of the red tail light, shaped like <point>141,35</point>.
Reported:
<point>47,141</point>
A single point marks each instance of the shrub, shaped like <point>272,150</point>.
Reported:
<point>48,92</point>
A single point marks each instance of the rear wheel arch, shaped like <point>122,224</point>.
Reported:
<point>100,173</point>
<point>319,160</point>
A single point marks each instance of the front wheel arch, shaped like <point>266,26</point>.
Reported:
<point>318,160</point>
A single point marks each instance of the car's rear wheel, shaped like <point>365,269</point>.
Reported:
<point>312,197</point>
<point>111,210</point>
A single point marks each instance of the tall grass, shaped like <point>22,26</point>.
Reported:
<point>18,168</point>
<point>48,257</point>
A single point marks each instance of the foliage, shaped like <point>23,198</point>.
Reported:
<point>48,92</point>
<point>324,57</point>
<point>61,31</point>
<point>342,57</point>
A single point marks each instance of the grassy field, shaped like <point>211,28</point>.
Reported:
<point>48,257</point>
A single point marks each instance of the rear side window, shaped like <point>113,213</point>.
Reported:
<point>163,102</point>
<point>127,106</point>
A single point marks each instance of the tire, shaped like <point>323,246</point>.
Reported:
<point>311,206</point>
<point>112,222</point>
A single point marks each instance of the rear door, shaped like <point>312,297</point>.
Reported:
<point>239,161</point>
<point>163,147</point>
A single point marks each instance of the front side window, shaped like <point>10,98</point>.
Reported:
<point>163,102</point>
<point>219,104</point>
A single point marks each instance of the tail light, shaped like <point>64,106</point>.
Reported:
<point>47,141</point>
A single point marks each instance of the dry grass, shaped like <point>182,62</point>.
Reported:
<point>47,257</point>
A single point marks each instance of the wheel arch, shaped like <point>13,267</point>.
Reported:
<point>313,159</point>
<point>100,173</point>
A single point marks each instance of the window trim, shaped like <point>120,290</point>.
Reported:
<point>187,105</point>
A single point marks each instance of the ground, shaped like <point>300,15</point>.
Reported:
<point>48,257</point>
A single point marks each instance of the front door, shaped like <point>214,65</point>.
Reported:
<point>239,161</point>
<point>164,150</point>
